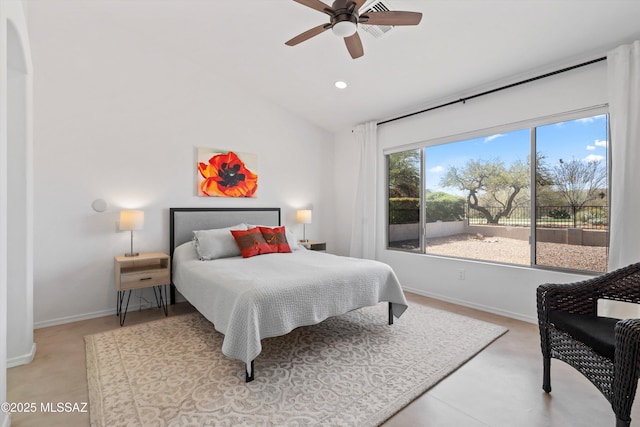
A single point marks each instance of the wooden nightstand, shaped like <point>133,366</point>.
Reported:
<point>315,245</point>
<point>142,271</point>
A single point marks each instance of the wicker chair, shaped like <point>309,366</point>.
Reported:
<point>605,350</point>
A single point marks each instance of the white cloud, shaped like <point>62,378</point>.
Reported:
<point>591,119</point>
<point>593,158</point>
<point>492,137</point>
<point>599,143</point>
<point>436,169</point>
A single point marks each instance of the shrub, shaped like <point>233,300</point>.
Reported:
<point>404,210</point>
<point>594,216</point>
<point>439,207</point>
<point>559,214</point>
<point>442,206</point>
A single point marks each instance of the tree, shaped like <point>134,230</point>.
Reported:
<point>404,174</point>
<point>580,181</point>
<point>544,176</point>
<point>498,185</point>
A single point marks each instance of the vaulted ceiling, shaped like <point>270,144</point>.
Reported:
<point>460,46</point>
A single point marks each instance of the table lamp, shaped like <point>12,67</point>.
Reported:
<point>129,221</point>
<point>303,216</point>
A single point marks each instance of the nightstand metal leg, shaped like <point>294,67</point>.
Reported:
<point>121,295</point>
<point>122,315</point>
<point>161,301</point>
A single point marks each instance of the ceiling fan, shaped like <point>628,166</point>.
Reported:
<point>344,20</point>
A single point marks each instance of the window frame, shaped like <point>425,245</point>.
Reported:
<point>532,125</point>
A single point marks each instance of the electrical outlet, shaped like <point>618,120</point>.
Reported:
<point>461,274</point>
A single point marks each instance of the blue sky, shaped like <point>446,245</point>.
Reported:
<point>583,139</point>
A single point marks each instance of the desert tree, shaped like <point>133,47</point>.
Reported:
<point>489,183</point>
<point>580,181</point>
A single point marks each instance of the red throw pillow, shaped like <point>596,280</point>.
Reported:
<point>276,238</point>
<point>251,243</point>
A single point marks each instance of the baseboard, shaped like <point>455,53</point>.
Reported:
<point>25,359</point>
<point>469,304</point>
<point>5,419</point>
<point>85,316</point>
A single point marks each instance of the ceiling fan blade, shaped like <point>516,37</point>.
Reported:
<point>391,18</point>
<point>317,5</point>
<point>308,34</point>
<point>354,45</point>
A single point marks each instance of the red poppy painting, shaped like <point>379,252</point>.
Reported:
<point>226,173</point>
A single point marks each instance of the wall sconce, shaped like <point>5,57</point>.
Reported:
<point>129,221</point>
<point>99,205</point>
<point>303,216</point>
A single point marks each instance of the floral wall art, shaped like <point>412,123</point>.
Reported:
<point>224,173</point>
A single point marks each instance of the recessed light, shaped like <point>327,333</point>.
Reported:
<point>340,84</point>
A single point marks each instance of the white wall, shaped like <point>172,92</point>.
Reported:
<point>16,257</point>
<point>4,418</point>
<point>119,118</point>
<point>20,344</point>
<point>507,290</point>
<point>345,183</point>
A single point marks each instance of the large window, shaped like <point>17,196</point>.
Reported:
<point>531,196</point>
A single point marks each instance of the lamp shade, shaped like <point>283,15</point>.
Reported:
<point>131,220</point>
<point>303,216</point>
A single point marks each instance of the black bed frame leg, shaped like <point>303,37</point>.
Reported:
<point>390,313</point>
<point>249,378</point>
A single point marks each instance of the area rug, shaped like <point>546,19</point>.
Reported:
<point>350,370</point>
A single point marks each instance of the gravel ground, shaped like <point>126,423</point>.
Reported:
<point>502,249</point>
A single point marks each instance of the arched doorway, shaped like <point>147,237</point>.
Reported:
<point>20,345</point>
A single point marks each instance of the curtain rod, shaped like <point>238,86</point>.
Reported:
<point>463,100</point>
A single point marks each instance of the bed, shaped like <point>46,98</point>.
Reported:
<point>250,299</point>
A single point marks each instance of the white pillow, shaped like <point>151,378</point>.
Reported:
<point>217,243</point>
<point>292,240</point>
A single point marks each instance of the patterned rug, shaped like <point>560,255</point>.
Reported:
<point>351,370</point>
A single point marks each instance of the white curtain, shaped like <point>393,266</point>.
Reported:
<point>624,108</point>
<point>363,231</point>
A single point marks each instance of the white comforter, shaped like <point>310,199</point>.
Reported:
<point>270,295</point>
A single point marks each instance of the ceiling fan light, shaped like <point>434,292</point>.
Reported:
<point>344,29</point>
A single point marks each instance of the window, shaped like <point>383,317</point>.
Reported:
<point>474,198</point>
<point>572,194</point>
<point>404,199</point>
